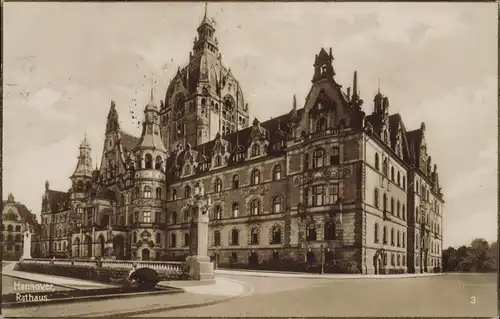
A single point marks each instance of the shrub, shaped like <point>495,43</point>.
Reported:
<point>146,278</point>
<point>342,267</point>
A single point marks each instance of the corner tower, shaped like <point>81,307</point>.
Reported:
<point>204,98</point>
<point>81,180</point>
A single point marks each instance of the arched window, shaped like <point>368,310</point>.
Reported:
<point>376,198</point>
<point>187,239</point>
<point>375,234</point>
<point>277,204</point>
<point>236,209</point>
<point>392,173</point>
<point>403,212</point>
<point>311,232</point>
<point>335,157</point>
<point>216,238</point>
<point>276,235</point>
<point>255,177</point>
<point>399,179</point>
<point>404,182</point>
<point>404,240</point>
<point>321,125</point>
<point>235,237</point>
<point>319,157</point>
<point>417,219</point>
<point>398,239</point>
<point>384,235</point>
<point>174,218</point>
<point>186,216</point>
<point>277,172</point>
<point>147,192</point>
<point>255,207</point>
<point>392,205</point>
<point>10,238</point>
<point>254,236</point>
<point>392,260</point>
<point>384,203</point>
<point>217,212</point>
<point>329,230</point>
<point>158,238</point>
<point>173,240</point>
<point>18,228</point>
<point>377,162</point>
<point>158,162</point>
<point>187,191</point>
<point>392,236</point>
<point>398,209</point>
<point>10,228</point>
<point>174,194</point>
<point>17,237</point>
<point>255,150</point>
<point>218,185</point>
<point>149,161</point>
<point>236,181</point>
<point>158,192</point>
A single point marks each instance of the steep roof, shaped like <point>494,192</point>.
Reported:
<point>128,141</point>
<point>57,197</point>
<point>24,212</point>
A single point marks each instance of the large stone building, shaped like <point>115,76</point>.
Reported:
<point>17,218</point>
<point>321,175</point>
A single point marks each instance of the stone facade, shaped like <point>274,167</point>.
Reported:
<point>322,175</point>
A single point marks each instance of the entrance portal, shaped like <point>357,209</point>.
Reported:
<point>145,254</point>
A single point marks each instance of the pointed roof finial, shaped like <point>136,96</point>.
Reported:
<point>355,84</point>
<point>294,102</point>
<point>378,90</point>
<point>206,9</point>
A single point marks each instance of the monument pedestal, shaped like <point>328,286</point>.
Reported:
<point>26,244</point>
<point>200,268</point>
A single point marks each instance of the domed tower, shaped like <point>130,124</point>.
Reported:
<point>82,177</point>
<point>150,193</point>
<point>203,98</point>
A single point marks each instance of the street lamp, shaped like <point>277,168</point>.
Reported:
<point>322,258</point>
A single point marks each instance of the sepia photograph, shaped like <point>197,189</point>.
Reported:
<point>249,159</point>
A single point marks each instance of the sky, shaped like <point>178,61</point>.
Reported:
<point>65,62</point>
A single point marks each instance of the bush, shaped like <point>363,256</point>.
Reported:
<point>342,267</point>
<point>145,278</point>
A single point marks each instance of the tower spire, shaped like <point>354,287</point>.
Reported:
<point>355,85</point>
<point>206,9</point>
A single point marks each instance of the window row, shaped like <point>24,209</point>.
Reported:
<point>11,228</point>
<point>396,259</point>
<point>329,231</point>
<point>10,238</point>
<point>9,247</point>
<point>317,195</point>
<point>185,242</point>
<point>397,209</point>
<point>146,217</point>
<point>395,176</point>
<point>234,237</point>
<point>146,193</point>
<point>398,238</point>
<point>319,158</point>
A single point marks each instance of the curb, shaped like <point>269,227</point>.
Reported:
<point>20,304</point>
<point>301,276</point>
<point>176,307</point>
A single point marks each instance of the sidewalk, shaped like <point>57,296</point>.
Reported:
<point>73,283</point>
<point>256,273</point>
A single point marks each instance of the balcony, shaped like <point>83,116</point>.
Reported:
<point>327,132</point>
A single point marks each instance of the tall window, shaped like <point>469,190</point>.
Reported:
<point>255,177</point>
<point>398,209</point>
<point>146,217</point>
<point>318,195</point>
<point>404,240</point>
<point>235,237</point>
<point>236,181</point>
<point>277,204</point>
<point>255,207</point>
<point>174,194</point>
<point>158,238</point>
<point>149,161</point>
<point>329,230</point>
<point>187,239</point>
<point>217,212</point>
<point>335,157</point>
<point>403,211</point>
<point>277,172</point>
<point>218,161</point>
<point>236,210</point>
<point>174,218</point>
<point>305,196</point>
<point>276,235</point>
<point>158,162</point>
<point>392,205</point>
<point>404,182</point>
<point>333,193</point>
<point>255,150</point>
<point>321,125</point>
<point>399,179</point>
<point>218,185</point>
<point>311,232</point>
<point>392,236</point>
<point>392,173</point>
<point>158,192</point>
<point>384,202</point>
<point>376,198</point>
<point>216,238</point>
<point>306,161</point>
<point>187,191</point>
<point>377,162</point>
<point>384,235</point>
<point>319,158</point>
<point>375,234</point>
<point>254,236</point>
<point>147,192</point>
<point>398,239</point>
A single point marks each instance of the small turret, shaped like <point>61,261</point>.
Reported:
<point>323,66</point>
<point>112,124</point>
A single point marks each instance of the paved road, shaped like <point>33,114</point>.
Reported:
<point>456,295</point>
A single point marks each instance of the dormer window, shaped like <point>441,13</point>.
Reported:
<point>255,150</point>
<point>218,161</point>
<point>321,123</point>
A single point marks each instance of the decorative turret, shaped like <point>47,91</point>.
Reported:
<point>112,124</point>
<point>323,66</point>
<point>356,102</point>
<point>82,176</point>
<point>206,39</point>
<point>150,137</point>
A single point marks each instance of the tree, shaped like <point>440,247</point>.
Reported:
<point>450,259</point>
<point>479,256</point>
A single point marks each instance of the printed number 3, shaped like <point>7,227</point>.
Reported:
<point>473,300</point>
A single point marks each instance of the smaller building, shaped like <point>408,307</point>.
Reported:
<point>15,218</point>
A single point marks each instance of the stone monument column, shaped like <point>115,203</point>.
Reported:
<point>199,264</point>
<point>27,244</point>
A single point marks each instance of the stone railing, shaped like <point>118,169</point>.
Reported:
<point>159,266</point>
